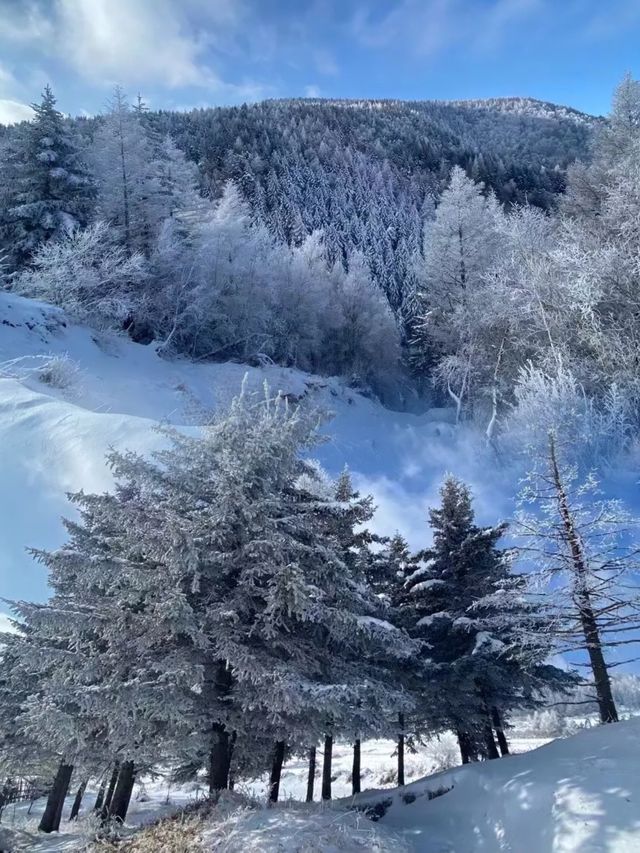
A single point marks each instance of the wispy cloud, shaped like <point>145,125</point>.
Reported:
<point>325,62</point>
<point>612,19</point>
<point>429,27</point>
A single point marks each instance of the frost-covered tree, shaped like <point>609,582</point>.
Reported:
<point>140,181</point>
<point>460,245</point>
<point>582,547</point>
<point>257,611</point>
<point>89,275</point>
<point>48,190</point>
<point>483,639</point>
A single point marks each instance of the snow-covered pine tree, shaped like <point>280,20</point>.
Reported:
<point>482,657</point>
<point>460,245</point>
<point>224,593</point>
<point>49,192</point>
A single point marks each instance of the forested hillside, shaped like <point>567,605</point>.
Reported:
<point>325,209</point>
<point>367,173</point>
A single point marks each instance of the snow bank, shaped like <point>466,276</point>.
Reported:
<point>577,795</point>
<point>301,829</point>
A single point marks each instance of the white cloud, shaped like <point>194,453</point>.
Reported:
<point>312,91</point>
<point>325,62</point>
<point>14,111</point>
<point>141,41</point>
<point>613,19</point>
<point>134,42</point>
<point>6,625</point>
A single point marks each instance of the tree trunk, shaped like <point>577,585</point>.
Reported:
<point>466,748</point>
<point>5,795</point>
<point>106,806</point>
<point>219,760</point>
<point>326,767</point>
<point>97,806</point>
<point>497,725</point>
<point>75,808</point>
<point>276,771</point>
<point>50,821</point>
<point>355,770</point>
<point>218,686</point>
<point>311,778</point>
<point>400,749</point>
<point>582,598</point>
<point>490,744</point>
<point>123,791</point>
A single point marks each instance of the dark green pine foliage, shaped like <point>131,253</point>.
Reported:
<point>50,190</point>
<point>486,642</point>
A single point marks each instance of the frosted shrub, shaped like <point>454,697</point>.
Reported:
<point>60,372</point>
<point>443,752</point>
<point>547,723</point>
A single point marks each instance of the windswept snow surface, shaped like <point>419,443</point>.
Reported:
<point>108,391</point>
<point>577,795</point>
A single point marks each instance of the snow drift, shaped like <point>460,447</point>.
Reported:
<point>577,795</point>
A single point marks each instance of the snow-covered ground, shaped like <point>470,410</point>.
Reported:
<point>575,795</point>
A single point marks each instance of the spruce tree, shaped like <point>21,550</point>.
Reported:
<point>486,643</point>
<point>50,192</point>
<point>210,590</point>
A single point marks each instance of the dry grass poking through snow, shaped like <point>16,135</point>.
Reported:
<point>238,824</point>
<point>168,836</point>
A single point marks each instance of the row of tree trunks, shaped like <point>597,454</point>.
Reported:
<point>472,748</point>
<point>113,801</point>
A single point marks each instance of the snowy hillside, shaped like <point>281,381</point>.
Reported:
<point>578,795</point>
<point>68,394</point>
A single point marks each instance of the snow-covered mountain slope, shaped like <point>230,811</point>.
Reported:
<point>577,795</point>
<point>67,394</point>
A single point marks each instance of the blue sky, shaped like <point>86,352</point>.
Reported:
<point>185,53</point>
